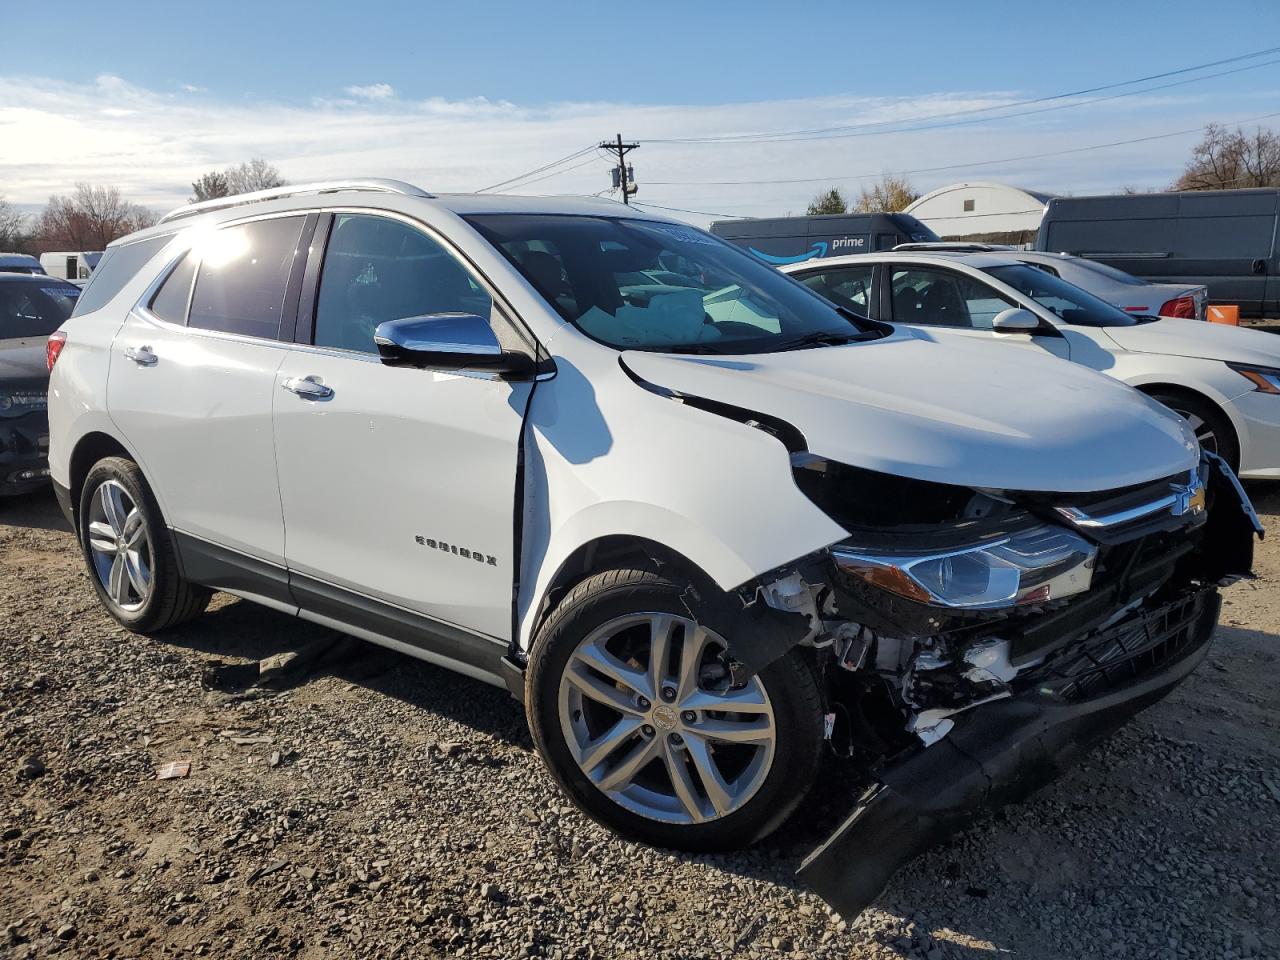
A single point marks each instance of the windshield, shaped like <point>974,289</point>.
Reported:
<point>642,285</point>
<point>1067,301</point>
<point>34,308</point>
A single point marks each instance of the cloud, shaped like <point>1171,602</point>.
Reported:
<point>374,91</point>
<point>191,88</point>
<point>153,144</point>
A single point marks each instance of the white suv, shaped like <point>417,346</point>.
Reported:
<point>702,522</point>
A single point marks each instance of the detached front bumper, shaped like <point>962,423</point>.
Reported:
<point>24,452</point>
<point>1001,752</point>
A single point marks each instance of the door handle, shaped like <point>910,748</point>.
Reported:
<point>309,388</point>
<point>1259,266</point>
<point>142,356</point>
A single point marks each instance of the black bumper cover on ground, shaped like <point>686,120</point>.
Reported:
<point>996,754</point>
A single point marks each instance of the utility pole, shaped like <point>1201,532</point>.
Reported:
<point>623,174</point>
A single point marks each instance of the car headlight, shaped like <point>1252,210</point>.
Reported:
<point>1264,379</point>
<point>1030,566</point>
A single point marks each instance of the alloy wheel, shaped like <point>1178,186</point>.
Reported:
<point>120,546</point>
<point>654,716</point>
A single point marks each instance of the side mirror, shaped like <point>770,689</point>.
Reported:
<point>447,341</point>
<point>1015,320</point>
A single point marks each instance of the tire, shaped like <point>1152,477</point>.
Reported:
<point>1208,421</point>
<point>141,585</point>
<point>619,612</point>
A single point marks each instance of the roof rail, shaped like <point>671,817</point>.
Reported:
<point>375,185</point>
<point>952,246</point>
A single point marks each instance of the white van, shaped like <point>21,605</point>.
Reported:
<point>70,264</point>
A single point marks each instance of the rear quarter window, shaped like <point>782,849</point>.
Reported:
<point>116,268</point>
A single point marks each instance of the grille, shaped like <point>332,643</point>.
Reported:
<point>1130,649</point>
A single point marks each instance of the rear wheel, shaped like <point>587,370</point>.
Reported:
<point>1212,428</point>
<point>130,552</point>
<point>648,724</point>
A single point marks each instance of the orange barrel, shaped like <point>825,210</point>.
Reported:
<point>1224,313</point>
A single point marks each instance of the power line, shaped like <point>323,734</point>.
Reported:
<point>701,213</point>
<point>545,166</point>
<point>872,127</point>
<point>1022,113</point>
<point>952,166</point>
<point>548,176</point>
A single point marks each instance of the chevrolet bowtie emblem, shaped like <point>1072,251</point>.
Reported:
<point>1190,500</point>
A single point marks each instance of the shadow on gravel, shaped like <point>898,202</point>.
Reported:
<point>34,511</point>
<point>246,631</point>
<point>1265,495</point>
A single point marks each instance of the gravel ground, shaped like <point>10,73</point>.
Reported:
<point>375,806</point>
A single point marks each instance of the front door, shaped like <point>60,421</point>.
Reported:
<point>192,382</point>
<point>397,484</point>
<point>953,305</point>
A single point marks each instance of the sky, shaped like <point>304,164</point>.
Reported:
<point>463,96</point>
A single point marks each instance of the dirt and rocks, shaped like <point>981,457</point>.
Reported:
<point>352,802</point>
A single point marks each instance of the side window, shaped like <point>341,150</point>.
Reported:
<point>170,301</point>
<point>847,286</point>
<point>377,269</point>
<point>240,287</point>
<point>886,241</point>
<point>116,268</point>
<point>945,299</point>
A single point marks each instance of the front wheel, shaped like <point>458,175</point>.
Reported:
<point>1212,428</point>
<point>648,724</point>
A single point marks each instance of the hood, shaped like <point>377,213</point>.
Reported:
<point>23,360</point>
<point>986,415</point>
<point>1196,338</point>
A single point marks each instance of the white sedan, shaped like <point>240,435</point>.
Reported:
<point>1224,380</point>
<point>1131,294</point>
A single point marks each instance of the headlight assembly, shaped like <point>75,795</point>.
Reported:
<point>1031,566</point>
<point>1264,379</point>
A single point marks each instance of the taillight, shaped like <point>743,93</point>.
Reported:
<point>57,340</point>
<point>1183,307</point>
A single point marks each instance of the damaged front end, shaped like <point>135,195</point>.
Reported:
<point>975,642</point>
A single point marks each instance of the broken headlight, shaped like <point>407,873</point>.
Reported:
<point>1034,565</point>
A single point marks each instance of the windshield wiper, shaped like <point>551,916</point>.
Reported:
<point>822,339</point>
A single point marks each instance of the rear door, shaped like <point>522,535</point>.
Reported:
<point>398,484</point>
<point>193,378</point>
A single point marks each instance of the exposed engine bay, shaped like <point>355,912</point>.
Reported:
<point>923,626</point>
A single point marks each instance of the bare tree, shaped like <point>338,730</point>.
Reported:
<point>831,201</point>
<point>257,174</point>
<point>890,195</point>
<point>210,186</point>
<point>13,227</point>
<point>90,218</point>
<point>1227,159</point>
